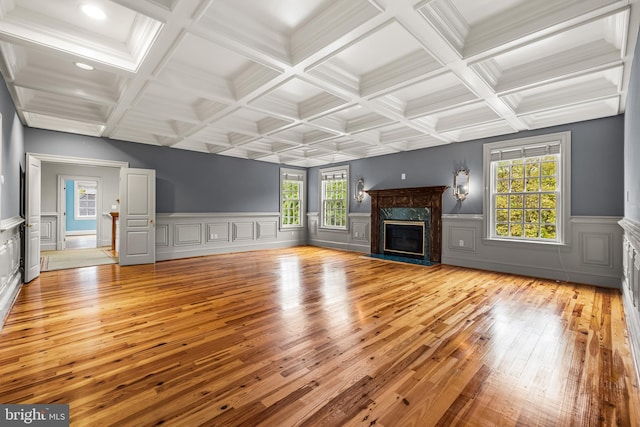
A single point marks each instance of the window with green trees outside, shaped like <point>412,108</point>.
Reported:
<point>292,209</point>
<point>526,197</point>
<point>528,191</point>
<point>335,202</point>
<point>291,203</point>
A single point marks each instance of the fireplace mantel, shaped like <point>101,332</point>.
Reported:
<point>416,197</point>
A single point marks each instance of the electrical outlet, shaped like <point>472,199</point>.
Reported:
<point>461,243</point>
<point>403,176</point>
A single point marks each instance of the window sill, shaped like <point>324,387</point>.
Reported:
<point>334,230</point>
<point>293,228</point>
<point>522,243</point>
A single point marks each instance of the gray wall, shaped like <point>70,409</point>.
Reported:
<point>596,169</point>
<point>12,155</point>
<point>187,181</point>
<point>632,143</point>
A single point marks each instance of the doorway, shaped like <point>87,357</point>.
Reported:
<point>79,203</point>
<point>80,200</point>
<point>76,198</point>
<point>135,204</point>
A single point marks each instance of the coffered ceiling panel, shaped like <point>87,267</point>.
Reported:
<point>385,57</point>
<point>428,96</point>
<point>308,83</point>
<point>296,99</point>
<point>582,49</point>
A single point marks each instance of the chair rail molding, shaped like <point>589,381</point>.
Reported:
<point>593,256</point>
<point>183,235</point>
<point>356,238</point>
<point>631,284</point>
<point>10,273</point>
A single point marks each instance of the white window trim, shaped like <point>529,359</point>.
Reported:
<point>303,204</point>
<point>76,201</point>
<point>321,206</point>
<point>564,216</point>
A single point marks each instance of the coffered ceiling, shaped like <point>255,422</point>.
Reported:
<point>312,82</point>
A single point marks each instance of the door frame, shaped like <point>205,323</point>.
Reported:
<point>76,161</point>
<point>33,218</point>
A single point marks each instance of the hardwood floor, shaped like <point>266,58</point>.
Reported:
<point>82,241</point>
<point>315,337</point>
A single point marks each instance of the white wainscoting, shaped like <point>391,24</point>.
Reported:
<point>183,235</point>
<point>10,277</point>
<point>593,255</point>
<point>631,284</point>
<point>356,238</point>
<point>49,231</point>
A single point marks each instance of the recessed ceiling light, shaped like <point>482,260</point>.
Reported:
<point>84,66</point>
<point>94,12</point>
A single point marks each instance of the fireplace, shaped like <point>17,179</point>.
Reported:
<point>404,238</point>
<point>420,203</point>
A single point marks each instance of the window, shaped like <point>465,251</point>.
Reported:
<point>334,195</point>
<point>528,188</point>
<point>292,185</point>
<point>85,199</point>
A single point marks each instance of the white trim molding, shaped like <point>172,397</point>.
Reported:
<point>593,256</point>
<point>631,284</point>
<point>10,275</point>
<point>356,238</point>
<point>184,235</point>
<point>52,158</point>
<point>530,147</point>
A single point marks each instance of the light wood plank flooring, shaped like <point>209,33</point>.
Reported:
<point>316,337</point>
<point>82,241</point>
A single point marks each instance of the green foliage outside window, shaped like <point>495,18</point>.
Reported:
<point>291,203</point>
<point>334,203</point>
<point>525,198</point>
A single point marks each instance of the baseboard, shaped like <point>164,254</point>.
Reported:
<point>190,253</point>
<point>538,271</point>
<point>343,246</point>
<point>9,296</point>
<point>633,324</point>
<point>593,254</point>
<point>81,233</point>
<point>48,246</point>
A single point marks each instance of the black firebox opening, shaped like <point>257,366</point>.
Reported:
<point>404,238</point>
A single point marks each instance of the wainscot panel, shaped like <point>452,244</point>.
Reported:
<point>10,275</point>
<point>267,230</point>
<point>631,285</point>
<point>356,238</point>
<point>183,235</point>
<point>49,231</point>
<point>187,234</point>
<point>593,255</point>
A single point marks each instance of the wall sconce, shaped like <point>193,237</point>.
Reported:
<point>461,184</point>
<point>359,193</point>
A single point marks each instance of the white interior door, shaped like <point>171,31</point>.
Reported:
<point>137,216</point>
<point>32,216</point>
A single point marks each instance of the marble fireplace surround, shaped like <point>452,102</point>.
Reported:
<point>416,197</point>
